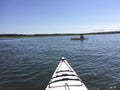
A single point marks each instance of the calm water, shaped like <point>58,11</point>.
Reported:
<point>28,63</point>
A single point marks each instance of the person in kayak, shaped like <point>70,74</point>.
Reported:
<point>81,36</point>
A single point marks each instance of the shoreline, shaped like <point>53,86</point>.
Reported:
<point>57,34</point>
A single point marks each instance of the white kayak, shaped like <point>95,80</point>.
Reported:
<point>65,78</point>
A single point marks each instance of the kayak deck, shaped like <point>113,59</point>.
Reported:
<point>65,78</point>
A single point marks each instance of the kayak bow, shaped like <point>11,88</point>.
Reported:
<point>65,78</point>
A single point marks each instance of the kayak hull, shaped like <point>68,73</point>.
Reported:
<point>65,78</point>
<point>78,38</point>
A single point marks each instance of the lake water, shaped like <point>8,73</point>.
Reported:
<point>28,63</point>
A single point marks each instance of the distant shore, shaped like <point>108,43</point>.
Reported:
<point>57,34</point>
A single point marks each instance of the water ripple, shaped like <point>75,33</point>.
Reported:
<point>28,63</point>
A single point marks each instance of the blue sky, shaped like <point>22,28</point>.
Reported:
<point>59,16</point>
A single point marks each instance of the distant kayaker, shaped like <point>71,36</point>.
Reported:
<point>81,36</point>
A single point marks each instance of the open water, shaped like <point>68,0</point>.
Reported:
<point>28,63</point>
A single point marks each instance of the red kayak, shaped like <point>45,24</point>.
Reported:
<point>78,38</point>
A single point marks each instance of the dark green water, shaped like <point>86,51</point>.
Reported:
<point>28,63</point>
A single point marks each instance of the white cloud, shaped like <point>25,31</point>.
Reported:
<point>104,28</point>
